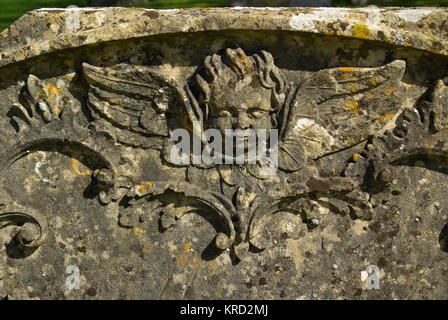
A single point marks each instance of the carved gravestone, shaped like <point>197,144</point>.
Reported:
<point>90,100</point>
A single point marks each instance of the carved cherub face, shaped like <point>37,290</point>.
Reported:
<point>237,91</point>
<point>247,105</point>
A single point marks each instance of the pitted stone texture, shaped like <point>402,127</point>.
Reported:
<point>48,30</point>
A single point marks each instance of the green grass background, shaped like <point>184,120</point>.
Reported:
<point>11,10</point>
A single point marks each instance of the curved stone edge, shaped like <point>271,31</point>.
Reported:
<point>48,30</point>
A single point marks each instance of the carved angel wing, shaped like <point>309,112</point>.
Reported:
<point>337,108</point>
<point>135,104</point>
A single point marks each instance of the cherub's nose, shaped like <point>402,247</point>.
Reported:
<point>243,121</point>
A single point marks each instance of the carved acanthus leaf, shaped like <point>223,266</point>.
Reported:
<point>32,227</point>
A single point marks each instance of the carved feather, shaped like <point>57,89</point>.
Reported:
<point>136,101</point>
<point>340,107</point>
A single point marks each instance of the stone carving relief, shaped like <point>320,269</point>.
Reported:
<point>132,109</point>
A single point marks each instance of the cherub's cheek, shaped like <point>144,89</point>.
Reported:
<point>262,123</point>
<point>223,123</point>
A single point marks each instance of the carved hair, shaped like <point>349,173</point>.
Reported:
<point>236,65</point>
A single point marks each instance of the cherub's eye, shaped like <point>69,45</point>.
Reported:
<point>224,113</point>
<point>256,113</point>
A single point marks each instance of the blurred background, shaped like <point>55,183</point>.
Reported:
<point>11,10</point>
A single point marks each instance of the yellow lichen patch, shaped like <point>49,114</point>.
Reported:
<point>351,142</point>
<point>354,106</point>
<point>373,82</point>
<point>187,247</point>
<point>349,69</point>
<point>429,234</point>
<point>353,88</point>
<point>386,118</point>
<point>56,111</point>
<point>188,259</point>
<point>139,231</point>
<point>355,157</point>
<point>75,166</point>
<point>144,187</point>
<point>52,89</point>
<point>346,69</point>
<point>113,101</point>
<point>55,90</point>
<point>361,31</point>
<point>389,91</point>
<point>51,92</point>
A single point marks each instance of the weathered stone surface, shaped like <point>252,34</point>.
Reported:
<point>91,96</point>
<point>282,3</point>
